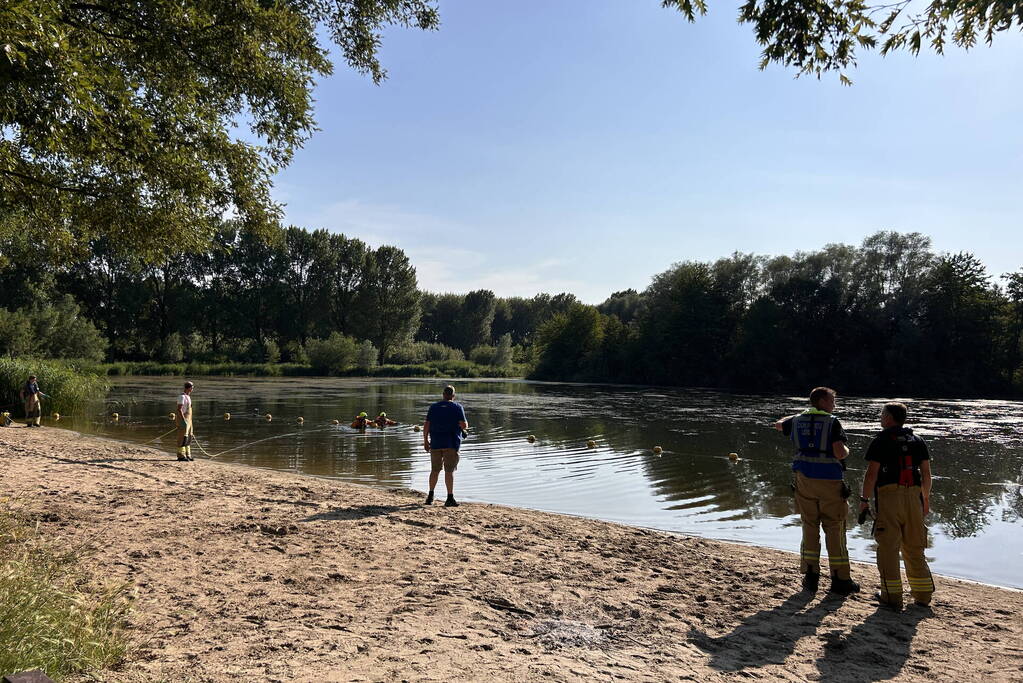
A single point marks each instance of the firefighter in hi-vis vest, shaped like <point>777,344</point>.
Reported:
<point>820,489</point>
<point>899,478</point>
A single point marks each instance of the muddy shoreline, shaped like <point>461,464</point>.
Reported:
<point>246,574</point>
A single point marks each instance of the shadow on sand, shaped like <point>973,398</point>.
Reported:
<point>357,512</point>
<point>768,636</point>
<point>876,649</point>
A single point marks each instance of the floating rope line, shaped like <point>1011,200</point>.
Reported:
<point>253,443</point>
<point>161,436</point>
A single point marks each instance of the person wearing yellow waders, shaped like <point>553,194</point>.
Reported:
<point>184,422</point>
<point>821,492</point>
<point>31,395</point>
<point>899,479</point>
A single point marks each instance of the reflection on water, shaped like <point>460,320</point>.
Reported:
<point>691,487</point>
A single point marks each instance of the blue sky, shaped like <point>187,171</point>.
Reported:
<point>586,145</point>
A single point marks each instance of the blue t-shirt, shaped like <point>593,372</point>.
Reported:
<point>445,432</point>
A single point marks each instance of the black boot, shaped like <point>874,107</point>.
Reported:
<point>844,586</point>
<point>811,580</point>
<point>429,498</point>
<point>450,502</point>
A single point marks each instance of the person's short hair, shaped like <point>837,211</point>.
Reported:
<point>819,393</point>
<point>188,385</point>
<point>31,376</point>
<point>449,391</point>
<point>896,411</point>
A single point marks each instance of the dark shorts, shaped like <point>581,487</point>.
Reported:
<point>446,457</point>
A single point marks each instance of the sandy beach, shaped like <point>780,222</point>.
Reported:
<point>245,574</point>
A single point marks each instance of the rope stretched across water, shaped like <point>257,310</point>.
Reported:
<point>253,443</point>
<point>161,436</point>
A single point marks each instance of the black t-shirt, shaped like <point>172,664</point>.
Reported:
<point>890,448</point>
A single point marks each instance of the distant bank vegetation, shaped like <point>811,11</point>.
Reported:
<point>888,316</point>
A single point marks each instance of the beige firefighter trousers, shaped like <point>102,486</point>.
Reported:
<point>899,527</point>
<point>820,504</point>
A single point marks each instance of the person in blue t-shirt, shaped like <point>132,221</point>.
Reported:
<point>443,431</point>
<point>30,394</point>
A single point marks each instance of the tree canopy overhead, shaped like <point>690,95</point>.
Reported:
<point>126,119</point>
<point>819,36</point>
<point>121,117</point>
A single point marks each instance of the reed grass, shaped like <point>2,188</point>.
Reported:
<point>70,385</point>
<point>55,615</point>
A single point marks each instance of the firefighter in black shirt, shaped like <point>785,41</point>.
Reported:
<point>899,479</point>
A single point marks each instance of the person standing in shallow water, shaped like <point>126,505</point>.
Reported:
<point>443,431</point>
<point>184,421</point>
<point>899,478</point>
<point>30,394</point>
<point>820,489</point>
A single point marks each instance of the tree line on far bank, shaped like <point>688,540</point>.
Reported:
<point>314,298</point>
<point>890,316</point>
<point>887,316</point>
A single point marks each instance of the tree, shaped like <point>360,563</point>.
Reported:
<point>623,305</point>
<point>1014,291</point>
<point>366,356</point>
<point>440,314</point>
<point>332,355</point>
<point>117,118</point>
<point>503,351</point>
<point>568,342</point>
<point>308,267</point>
<point>959,317</point>
<point>344,268</point>
<point>818,36</point>
<point>15,333</point>
<point>475,320</point>
<point>59,331</point>
<point>255,283</point>
<point>683,326</point>
<point>387,306</point>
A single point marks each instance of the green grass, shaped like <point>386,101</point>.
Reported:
<point>54,614</point>
<point>70,385</point>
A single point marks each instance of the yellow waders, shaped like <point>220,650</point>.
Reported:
<point>820,504</point>
<point>185,437</point>
<point>900,527</point>
<point>33,410</point>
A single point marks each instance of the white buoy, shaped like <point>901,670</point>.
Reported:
<point>733,456</point>
<point>115,416</point>
<point>591,444</point>
<point>268,417</point>
<point>335,422</point>
<point>658,450</point>
<point>172,416</point>
<point>227,416</point>
<point>56,416</point>
<point>531,438</point>
<point>301,420</point>
<point>417,428</point>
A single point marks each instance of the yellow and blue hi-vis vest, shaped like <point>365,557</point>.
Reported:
<point>811,434</point>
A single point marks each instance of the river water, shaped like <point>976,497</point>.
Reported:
<point>693,487</point>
